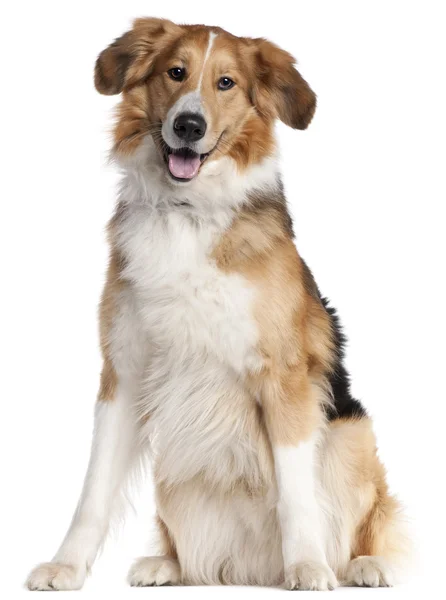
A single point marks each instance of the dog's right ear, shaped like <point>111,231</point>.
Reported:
<point>279,89</point>
<point>130,59</point>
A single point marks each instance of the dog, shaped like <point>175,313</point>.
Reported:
<point>221,358</point>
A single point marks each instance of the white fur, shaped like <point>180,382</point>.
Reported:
<point>113,452</point>
<point>212,36</point>
<point>300,518</point>
<point>154,570</point>
<point>371,571</point>
<point>221,532</point>
<point>199,320</point>
<point>310,575</point>
<point>203,334</point>
<point>213,195</point>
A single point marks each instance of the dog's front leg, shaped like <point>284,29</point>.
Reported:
<point>293,417</point>
<point>112,454</point>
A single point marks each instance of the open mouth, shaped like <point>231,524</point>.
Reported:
<point>183,163</point>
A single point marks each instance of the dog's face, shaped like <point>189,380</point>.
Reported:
<point>201,93</point>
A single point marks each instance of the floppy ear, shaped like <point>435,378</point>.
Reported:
<point>131,58</point>
<point>279,90</point>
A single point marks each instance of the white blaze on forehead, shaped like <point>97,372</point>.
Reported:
<point>190,103</point>
<point>212,37</point>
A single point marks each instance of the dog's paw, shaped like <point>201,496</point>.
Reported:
<point>56,576</point>
<point>369,571</point>
<point>155,570</point>
<point>310,576</point>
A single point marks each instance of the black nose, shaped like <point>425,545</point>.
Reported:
<point>189,127</point>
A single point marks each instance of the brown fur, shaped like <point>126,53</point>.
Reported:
<point>359,478</point>
<point>295,331</point>
<point>241,122</point>
<point>132,57</point>
<point>280,91</point>
<point>107,313</point>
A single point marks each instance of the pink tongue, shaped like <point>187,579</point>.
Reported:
<point>183,167</point>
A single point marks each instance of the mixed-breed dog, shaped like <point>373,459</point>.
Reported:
<point>221,359</point>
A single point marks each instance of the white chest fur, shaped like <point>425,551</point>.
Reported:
<point>187,305</point>
<point>198,320</point>
<point>202,334</point>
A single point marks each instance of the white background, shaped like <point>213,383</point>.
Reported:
<point>366,186</point>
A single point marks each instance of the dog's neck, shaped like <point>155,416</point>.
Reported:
<point>218,189</point>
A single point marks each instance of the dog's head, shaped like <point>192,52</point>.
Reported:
<point>201,94</point>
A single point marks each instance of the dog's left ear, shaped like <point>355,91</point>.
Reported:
<point>278,89</point>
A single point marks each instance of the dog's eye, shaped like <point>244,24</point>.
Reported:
<point>177,73</point>
<point>225,83</point>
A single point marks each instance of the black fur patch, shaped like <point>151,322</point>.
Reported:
<point>344,405</point>
<point>276,201</point>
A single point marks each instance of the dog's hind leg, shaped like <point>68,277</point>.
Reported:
<point>369,545</point>
<point>381,547</point>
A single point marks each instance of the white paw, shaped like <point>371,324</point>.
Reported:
<point>56,576</point>
<point>155,570</point>
<point>310,576</point>
<point>369,571</point>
